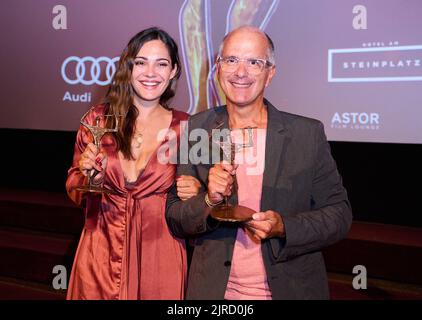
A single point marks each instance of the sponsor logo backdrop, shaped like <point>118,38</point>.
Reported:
<point>355,67</point>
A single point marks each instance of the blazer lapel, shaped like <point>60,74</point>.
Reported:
<point>275,142</point>
<point>221,119</point>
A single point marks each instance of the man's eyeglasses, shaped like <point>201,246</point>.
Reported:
<point>253,65</point>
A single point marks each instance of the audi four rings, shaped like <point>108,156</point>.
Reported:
<point>94,74</point>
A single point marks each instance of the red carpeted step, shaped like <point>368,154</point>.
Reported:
<point>387,251</point>
<point>39,210</point>
<point>39,230</point>
<point>341,288</point>
<point>13,289</point>
<point>32,256</point>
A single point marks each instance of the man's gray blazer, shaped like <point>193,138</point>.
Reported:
<point>300,181</point>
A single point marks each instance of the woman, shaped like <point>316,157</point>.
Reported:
<point>126,250</point>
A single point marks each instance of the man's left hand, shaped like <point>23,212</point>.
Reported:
<point>266,224</point>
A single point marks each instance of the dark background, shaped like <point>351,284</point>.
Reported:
<point>383,180</point>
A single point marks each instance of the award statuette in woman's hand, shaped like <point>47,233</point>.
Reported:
<point>97,132</point>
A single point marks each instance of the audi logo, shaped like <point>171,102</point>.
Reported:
<point>93,76</point>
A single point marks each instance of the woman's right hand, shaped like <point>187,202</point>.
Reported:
<point>90,159</point>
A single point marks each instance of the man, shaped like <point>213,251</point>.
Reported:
<point>301,204</point>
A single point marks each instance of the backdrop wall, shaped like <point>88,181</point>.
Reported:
<point>356,66</point>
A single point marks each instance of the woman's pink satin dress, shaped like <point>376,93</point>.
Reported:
<point>126,250</point>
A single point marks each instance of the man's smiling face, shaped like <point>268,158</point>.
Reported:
<point>240,86</point>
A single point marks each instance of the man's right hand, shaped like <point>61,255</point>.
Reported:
<point>220,181</point>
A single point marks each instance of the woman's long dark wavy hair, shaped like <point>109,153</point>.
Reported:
<point>120,94</point>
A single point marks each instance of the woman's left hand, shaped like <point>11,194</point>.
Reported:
<point>187,187</point>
